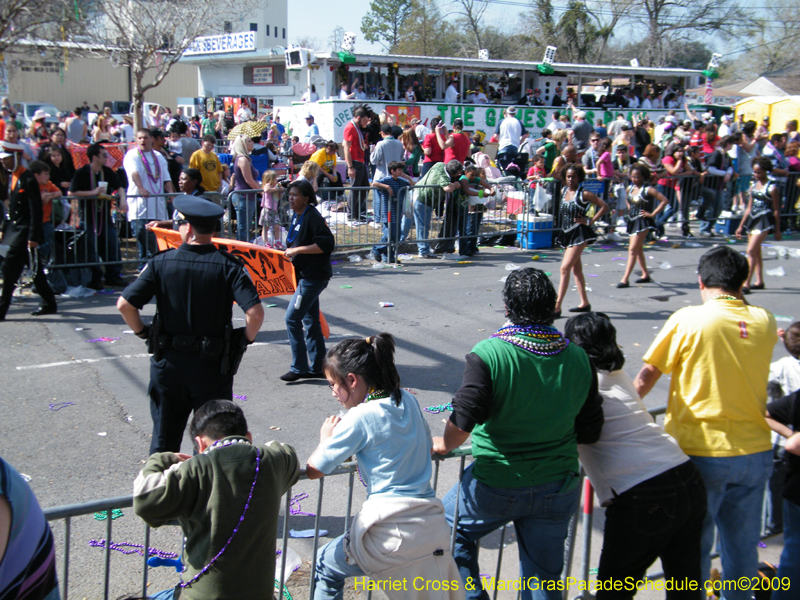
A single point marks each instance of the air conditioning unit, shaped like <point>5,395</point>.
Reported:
<point>296,58</point>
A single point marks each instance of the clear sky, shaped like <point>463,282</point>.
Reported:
<point>317,19</point>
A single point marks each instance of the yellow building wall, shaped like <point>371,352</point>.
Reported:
<point>33,78</point>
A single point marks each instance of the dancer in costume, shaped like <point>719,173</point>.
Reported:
<point>576,233</point>
<point>642,211</point>
<point>762,217</point>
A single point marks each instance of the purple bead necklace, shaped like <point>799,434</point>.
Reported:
<point>221,444</point>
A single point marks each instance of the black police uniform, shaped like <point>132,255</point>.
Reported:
<point>24,223</point>
<point>195,287</point>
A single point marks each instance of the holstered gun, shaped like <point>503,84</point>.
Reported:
<point>156,342</point>
<point>235,345</point>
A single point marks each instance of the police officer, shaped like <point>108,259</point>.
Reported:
<point>195,350</point>
<point>23,232</point>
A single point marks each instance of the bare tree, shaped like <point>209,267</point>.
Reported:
<point>471,13</point>
<point>672,20</point>
<point>336,38</point>
<point>36,19</point>
<point>150,37</point>
<point>772,41</point>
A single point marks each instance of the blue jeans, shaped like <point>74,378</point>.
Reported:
<point>541,517</point>
<point>710,208</point>
<point>331,570</point>
<point>735,490</point>
<point>473,227</point>
<point>104,244</point>
<point>426,166</point>
<point>422,221</point>
<point>382,248</point>
<point>245,206</point>
<point>145,240</point>
<point>304,310</point>
<point>790,557</point>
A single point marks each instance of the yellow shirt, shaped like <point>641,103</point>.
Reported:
<point>210,168</point>
<point>324,160</point>
<point>719,355</point>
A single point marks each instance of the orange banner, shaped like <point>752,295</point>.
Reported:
<point>272,274</point>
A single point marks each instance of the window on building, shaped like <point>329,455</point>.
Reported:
<point>266,28</point>
<point>228,27</point>
<point>284,33</point>
<point>253,26</point>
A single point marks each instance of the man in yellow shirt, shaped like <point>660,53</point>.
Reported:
<point>718,355</point>
<point>328,177</point>
<point>207,162</point>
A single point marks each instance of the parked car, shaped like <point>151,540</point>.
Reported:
<point>25,111</point>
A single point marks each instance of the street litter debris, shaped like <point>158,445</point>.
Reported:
<point>511,267</point>
<point>306,533</point>
<point>438,409</point>
<point>386,304</point>
<point>779,272</point>
<point>102,434</point>
<point>25,477</point>
<point>665,265</point>
<point>355,258</point>
<point>82,328</point>
<point>619,258</point>
<point>128,331</point>
<point>116,513</point>
<point>346,287</point>
<point>103,339</point>
<point>270,305</point>
<point>548,273</point>
<point>134,548</point>
<point>464,262</point>
<point>535,257</point>
<point>273,428</point>
<point>239,397</point>
<point>60,405</point>
<point>782,318</point>
<point>294,505</point>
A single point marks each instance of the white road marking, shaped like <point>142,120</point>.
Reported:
<point>78,361</point>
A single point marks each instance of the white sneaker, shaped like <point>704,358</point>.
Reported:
<point>614,237</point>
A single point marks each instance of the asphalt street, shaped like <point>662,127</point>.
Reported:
<point>75,411</point>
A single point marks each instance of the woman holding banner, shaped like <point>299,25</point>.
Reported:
<point>309,244</point>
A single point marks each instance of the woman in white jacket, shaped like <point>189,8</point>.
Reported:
<point>400,531</point>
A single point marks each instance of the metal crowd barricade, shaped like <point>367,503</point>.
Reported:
<point>98,234</point>
<point>584,513</point>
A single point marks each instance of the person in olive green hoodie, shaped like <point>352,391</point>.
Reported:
<point>226,499</point>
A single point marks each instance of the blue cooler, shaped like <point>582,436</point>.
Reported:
<point>529,231</point>
<point>727,226</point>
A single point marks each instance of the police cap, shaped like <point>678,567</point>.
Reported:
<point>197,211</point>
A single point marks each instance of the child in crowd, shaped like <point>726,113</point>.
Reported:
<point>270,198</point>
<point>229,492</point>
<point>473,186</point>
<point>400,532</point>
<point>388,193</point>
<point>536,171</point>
<point>309,172</point>
<point>785,373</point>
